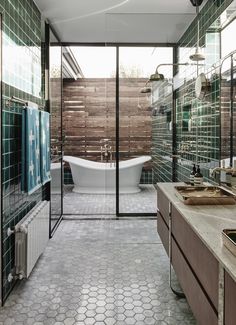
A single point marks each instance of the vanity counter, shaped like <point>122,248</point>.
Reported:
<point>206,269</point>
<point>207,221</point>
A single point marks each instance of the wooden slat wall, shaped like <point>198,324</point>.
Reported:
<point>89,116</point>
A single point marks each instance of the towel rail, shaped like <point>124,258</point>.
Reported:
<point>17,100</point>
<point>14,99</point>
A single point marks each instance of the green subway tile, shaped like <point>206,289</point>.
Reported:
<point>21,32</point>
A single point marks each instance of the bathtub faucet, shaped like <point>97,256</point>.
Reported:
<point>106,150</point>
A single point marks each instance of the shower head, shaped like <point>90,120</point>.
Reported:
<point>145,90</point>
<point>159,76</point>
<point>156,77</point>
<point>196,2</point>
<point>197,56</point>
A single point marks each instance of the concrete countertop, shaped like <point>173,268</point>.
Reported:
<point>207,221</point>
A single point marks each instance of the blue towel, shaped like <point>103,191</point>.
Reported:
<point>45,147</point>
<point>31,179</point>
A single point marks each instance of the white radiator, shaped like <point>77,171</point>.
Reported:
<point>31,238</point>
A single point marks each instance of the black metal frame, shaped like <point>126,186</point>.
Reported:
<point>48,29</point>
<point>231,99</point>
<point>1,176</point>
<point>231,111</point>
<point>117,46</point>
<point>117,130</point>
<point>174,127</point>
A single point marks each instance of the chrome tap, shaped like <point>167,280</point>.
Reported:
<point>225,174</point>
<point>106,150</point>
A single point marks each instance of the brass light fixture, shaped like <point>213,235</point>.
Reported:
<point>146,89</point>
<point>159,76</point>
<point>198,55</point>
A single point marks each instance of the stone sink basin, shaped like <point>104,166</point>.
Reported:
<point>205,195</point>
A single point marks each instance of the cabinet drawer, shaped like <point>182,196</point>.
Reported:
<point>230,300</point>
<point>163,205</point>
<point>202,261</point>
<point>201,308</point>
<point>163,232</point>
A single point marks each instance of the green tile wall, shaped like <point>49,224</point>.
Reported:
<point>201,144</point>
<point>162,132</point>
<point>21,76</point>
<point>146,177</point>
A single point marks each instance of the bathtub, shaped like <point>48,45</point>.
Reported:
<point>95,177</point>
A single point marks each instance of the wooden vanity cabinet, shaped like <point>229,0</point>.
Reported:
<point>230,301</point>
<point>163,232</point>
<point>163,205</point>
<point>195,266</point>
<point>201,260</point>
<point>163,219</point>
<point>197,299</point>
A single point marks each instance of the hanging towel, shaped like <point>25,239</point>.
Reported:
<point>31,179</point>
<point>45,147</point>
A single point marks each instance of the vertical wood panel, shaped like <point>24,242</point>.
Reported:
<point>89,116</point>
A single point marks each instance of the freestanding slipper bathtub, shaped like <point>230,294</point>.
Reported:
<point>96,177</point>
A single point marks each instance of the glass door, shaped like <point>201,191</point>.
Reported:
<point>55,106</point>
<point>138,104</point>
<point>89,84</point>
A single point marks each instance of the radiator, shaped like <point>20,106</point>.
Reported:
<point>31,238</point>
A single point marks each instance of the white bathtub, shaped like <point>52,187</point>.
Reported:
<point>95,177</point>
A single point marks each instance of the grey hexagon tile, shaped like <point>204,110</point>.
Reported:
<point>109,272</point>
<point>100,317</point>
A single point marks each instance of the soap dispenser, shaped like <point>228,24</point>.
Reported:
<point>198,178</point>
<point>192,174</point>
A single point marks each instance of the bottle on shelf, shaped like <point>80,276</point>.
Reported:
<point>192,174</point>
<point>198,177</point>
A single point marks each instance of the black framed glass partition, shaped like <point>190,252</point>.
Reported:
<point>89,85</point>
<point>139,99</point>
<point>108,120</point>
<point>55,108</point>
